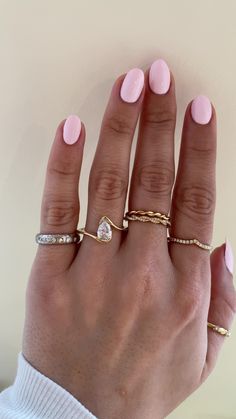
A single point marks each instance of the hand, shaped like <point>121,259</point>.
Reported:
<point>123,325</point>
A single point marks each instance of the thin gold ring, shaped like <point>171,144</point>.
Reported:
<point>221,330</point>
<point>145,219</point>
<point>195,242</point>
<point>104,231</point>
<point>149,214</point>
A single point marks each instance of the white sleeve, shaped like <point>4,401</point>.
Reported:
<point>33,395</point>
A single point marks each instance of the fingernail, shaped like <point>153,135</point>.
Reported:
<point>159,77</point>
<point>71,129</point>
<point>201,110</point>
<point>132,85</point>
<point>229,257</point>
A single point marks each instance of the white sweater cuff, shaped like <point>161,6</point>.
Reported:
<point>33,395</point>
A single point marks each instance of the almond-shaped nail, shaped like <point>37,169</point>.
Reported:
<point>229,257</point>
<point>159,77</point>
<point>72,129</point>
<point>132,85</point>
<point>201,110</point>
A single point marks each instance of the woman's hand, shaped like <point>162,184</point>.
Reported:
<point>123,325</point>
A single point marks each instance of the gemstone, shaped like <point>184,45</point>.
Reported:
<point>50,239</point>
<point>104,232</point>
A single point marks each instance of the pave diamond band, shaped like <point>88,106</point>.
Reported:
<point>190,241</point>
<point>50,238</point>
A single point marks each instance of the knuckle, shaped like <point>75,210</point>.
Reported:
<point>61,168</point>
<point>59,212</point>
<point>232,302</point>
<point>229,303</point>
<point>196,200</point>
<point>48,290</point>
<point>202,150</point>
<point>156,179</point>
<point>189,303</point>
<point>160,118</point>
<point>118,124</point>
<point>108,184</point>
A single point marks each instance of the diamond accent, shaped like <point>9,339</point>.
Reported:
<point>104,231</point>
<point>56,238</point>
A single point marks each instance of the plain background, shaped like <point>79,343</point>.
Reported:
<point>62,57</point>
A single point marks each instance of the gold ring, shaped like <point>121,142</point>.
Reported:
<point>221,330</point>
<point>104,231</point>
<point>190,241</point>
<point>148,216</point>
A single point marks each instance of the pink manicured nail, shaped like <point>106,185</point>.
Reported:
<point>201,110</point>
<point>132,85</point>
<point>229,257</point>
<point>71,130</point>
<point>159,77</point>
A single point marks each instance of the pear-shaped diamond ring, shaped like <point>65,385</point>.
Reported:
<point>104,231</point>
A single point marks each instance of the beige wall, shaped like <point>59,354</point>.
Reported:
<point>61,57</point>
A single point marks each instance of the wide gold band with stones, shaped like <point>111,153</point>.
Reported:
<point>104,231</point>
<point>148,216</point>
<point>195,242</point>
<point>221,330</point>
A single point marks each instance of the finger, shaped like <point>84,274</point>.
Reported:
<point>60,203</point>
<point>109,174</point>
<point>153,171</point>
<point>193,200</point>
<point>222,304</point>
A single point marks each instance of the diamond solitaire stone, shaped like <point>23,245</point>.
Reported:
<point>104,232</point>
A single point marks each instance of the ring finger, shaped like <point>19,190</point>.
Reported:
<point>194,193</point>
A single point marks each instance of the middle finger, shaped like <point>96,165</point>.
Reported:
<point>109,174</point>
<point>153,171</point>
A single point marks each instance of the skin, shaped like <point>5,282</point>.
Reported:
<point>123,326</point>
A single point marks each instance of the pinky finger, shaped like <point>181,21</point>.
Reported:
<point>222,304</point>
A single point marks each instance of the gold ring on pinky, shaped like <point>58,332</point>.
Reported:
<point>104,231</point>
<point>221,330</point>
<point>195,242</point>
<point>148,216</point>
